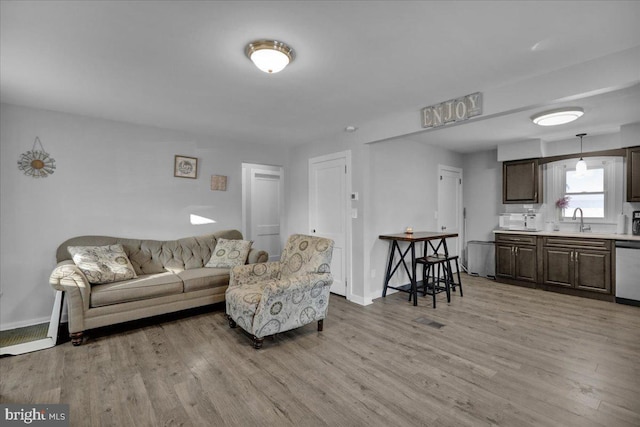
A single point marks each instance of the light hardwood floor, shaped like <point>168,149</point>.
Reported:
<point>502,355</point>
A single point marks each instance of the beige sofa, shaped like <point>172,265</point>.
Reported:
<point>170,277</point>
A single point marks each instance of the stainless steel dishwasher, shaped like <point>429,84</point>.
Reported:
<point>628,272</point>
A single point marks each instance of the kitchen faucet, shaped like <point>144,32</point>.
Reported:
<point>583,227</point>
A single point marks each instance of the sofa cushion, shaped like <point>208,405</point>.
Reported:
<point>143,287</point>
<point>102,264</point>
<point>204,278</point>
<point>229,253</point>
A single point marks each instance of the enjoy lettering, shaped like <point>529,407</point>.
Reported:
<point>452,111</point>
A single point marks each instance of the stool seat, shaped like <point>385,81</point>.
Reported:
<point>431,259</point>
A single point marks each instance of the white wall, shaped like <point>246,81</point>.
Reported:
<point>403,192</point>
<point>527,149</point>
<point>482,196</point>
<point>113,179</point>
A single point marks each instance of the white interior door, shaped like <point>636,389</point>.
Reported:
<point>450,205</point>
<point>263,208</point>
<point>329,189</point>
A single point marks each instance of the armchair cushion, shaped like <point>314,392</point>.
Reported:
<point>103,264</point>
<point>253,273</point>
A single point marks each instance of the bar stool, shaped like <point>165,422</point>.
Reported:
<point>450,271</point>
<point>431,285</point>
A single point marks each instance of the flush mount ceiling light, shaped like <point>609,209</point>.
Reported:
<point>581,166</point>
<point>270,56</point>
<point>557,117</point>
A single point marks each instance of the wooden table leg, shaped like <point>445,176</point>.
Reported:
<point>414,285</point>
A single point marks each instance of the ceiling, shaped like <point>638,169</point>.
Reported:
<point>181,65</point>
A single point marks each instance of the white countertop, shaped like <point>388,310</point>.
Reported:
<point>586,235</point>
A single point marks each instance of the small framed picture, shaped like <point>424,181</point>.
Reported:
<point>185,167</point>
<point>219,182</point>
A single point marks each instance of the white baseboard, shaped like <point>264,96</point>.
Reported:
<point>360,300</point>
<point>24,323</point>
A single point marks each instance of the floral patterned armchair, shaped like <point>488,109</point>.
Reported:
<point>267,298</point>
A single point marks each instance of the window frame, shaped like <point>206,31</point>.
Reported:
<point>555,184</point>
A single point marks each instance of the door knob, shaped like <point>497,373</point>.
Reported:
<point>443,228</point>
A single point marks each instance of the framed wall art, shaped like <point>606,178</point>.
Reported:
<point>185,167</point>
<point>219,182</point>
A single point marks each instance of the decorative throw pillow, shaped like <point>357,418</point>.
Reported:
<point>229,253</point>
<point>103,264</point>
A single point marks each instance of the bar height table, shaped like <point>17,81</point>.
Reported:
<point>429,238</point>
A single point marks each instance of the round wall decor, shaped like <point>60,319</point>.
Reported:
<point>37,163</point>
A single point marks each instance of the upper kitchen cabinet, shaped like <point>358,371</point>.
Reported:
<point>633,174</point>
<point>522,181</point>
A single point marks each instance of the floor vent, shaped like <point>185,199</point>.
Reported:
<point>429,322</point>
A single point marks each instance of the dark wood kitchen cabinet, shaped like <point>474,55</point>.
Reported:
<point>575,263</point>
<point>516,258</point>
<point>521,181</point>
<point>633,174</point>
<point>570,265</point>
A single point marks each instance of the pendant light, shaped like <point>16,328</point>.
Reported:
<point>581,166</point>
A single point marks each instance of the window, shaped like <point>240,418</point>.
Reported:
<point>586,192</point>
<point>595,192</point>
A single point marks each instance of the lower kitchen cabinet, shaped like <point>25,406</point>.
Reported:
<point>577,263</point>
<point>579,266</point>
<point>516,258</point>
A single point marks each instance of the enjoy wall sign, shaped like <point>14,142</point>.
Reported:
<point>453,110</point>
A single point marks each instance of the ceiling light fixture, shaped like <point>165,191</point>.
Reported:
<point>270,56</point>
<point>581,166</point>
<point>557,117</point>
